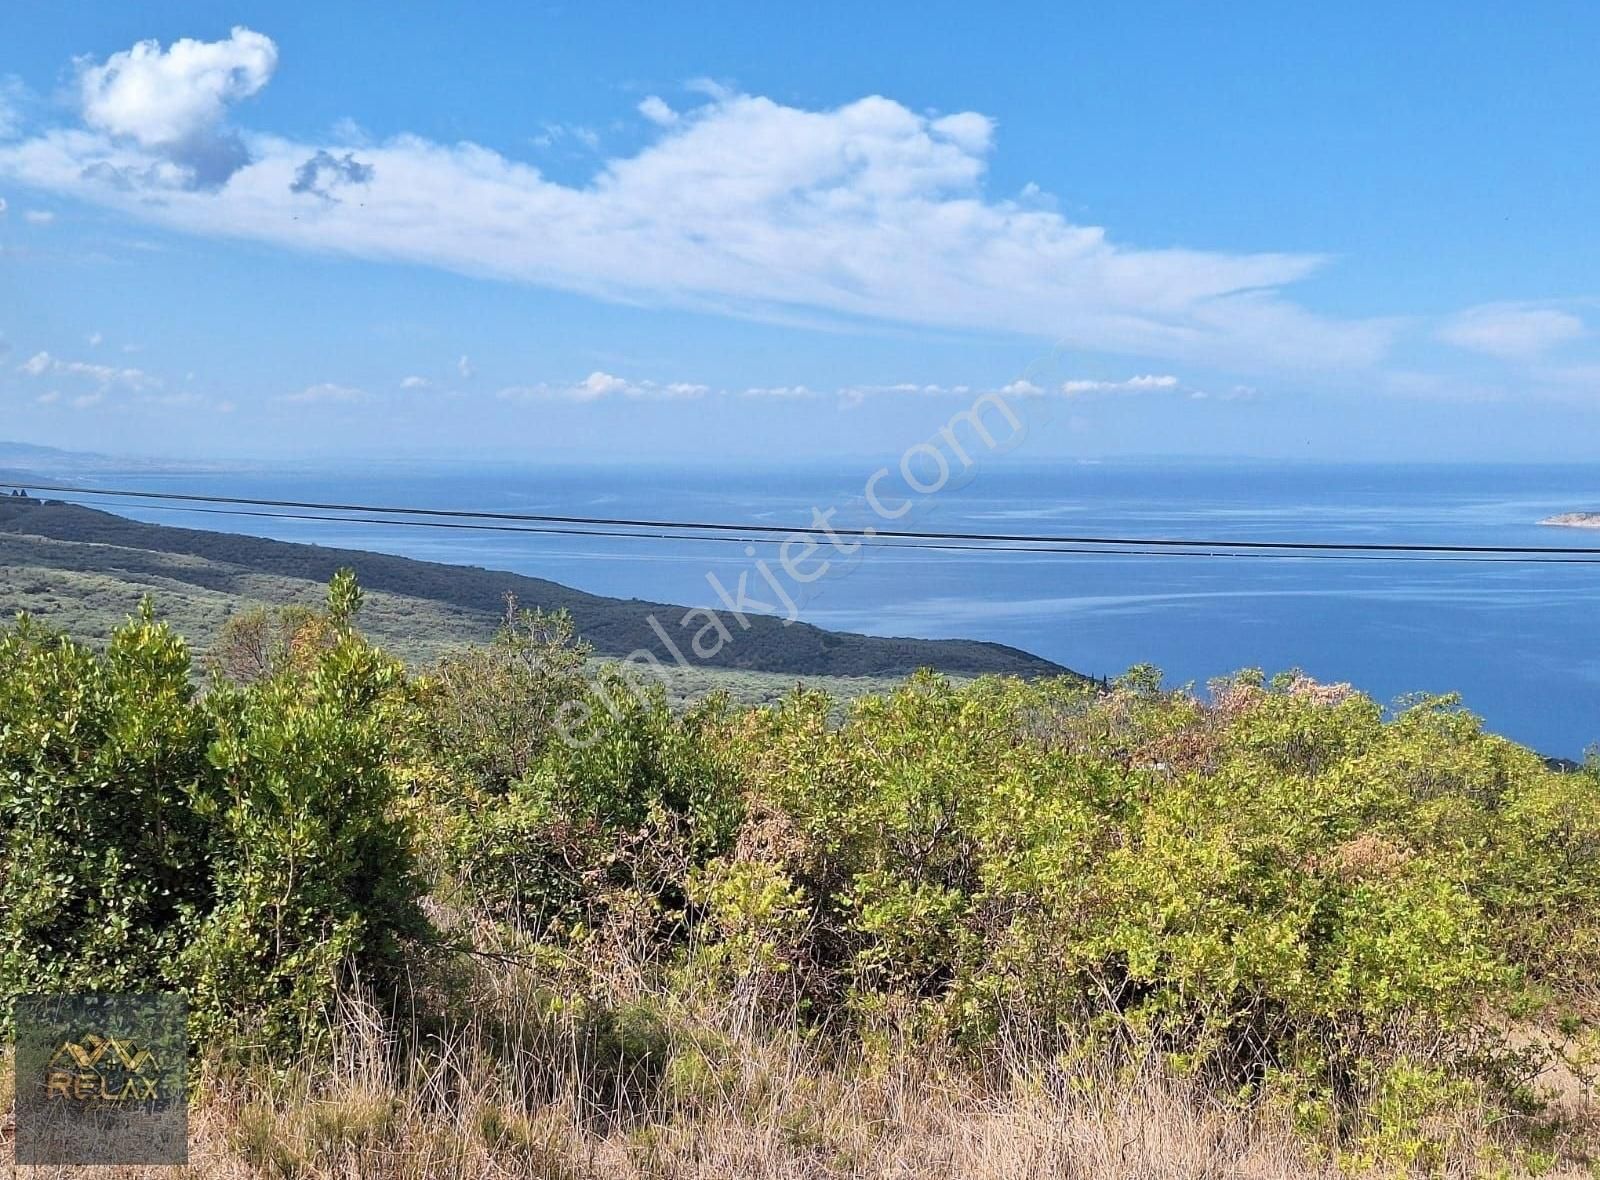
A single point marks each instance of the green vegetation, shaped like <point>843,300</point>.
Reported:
<point>496,910</point>
<point>84,571</point>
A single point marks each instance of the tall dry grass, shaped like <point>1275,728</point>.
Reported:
<point>517,1087</point>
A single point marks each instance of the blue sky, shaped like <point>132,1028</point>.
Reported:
<point>615,232</point>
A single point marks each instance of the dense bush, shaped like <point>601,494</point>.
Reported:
<point>241,845</point>
<point>1272,879</point>
<point>103,861</point>
<point>1278,887</point>
<point>613,795</point>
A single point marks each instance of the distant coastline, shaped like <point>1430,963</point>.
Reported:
<point>1574,520</point>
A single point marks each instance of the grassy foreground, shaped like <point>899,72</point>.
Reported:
<point>502,918</point>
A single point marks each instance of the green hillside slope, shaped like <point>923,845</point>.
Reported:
<point>85,570</point>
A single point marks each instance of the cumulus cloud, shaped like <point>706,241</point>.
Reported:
<point>415,383</point>
<point>2,206</point>
<point>1146,383</point>
<point>324,172</point>
<point>598,386</point>
<point>1021,388</point>
<point>172,102</point>
<point>658,112</point>
<point>464,367</point>
<point>1511,331</point>
<point>38,217</point>
<point>741,205</point>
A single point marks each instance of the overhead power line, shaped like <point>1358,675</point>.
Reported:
<point>877,543</point>
<point>546,524</point>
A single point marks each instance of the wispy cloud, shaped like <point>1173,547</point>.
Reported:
<point>567,133</point>
<point>741,204</point>
<point>41,364</point>
<point>1512,331</point>
<point>326,391</point>
<point>12,96</point>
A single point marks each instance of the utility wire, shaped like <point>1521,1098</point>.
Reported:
<point>890,541</point>
<point>813,530</point>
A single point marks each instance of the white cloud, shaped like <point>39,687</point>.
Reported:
<point>415,383</point>
<point>48,399</point>
<point>598,386</point>
<point>1512,331</point>
<point>658,112</point>
<point>85,400</point>
<point>12,95</point>
<point>38,217</point>
<point>2,206</point>
<point>742,205</point>
<point>94,339</point>
<point>41,363</point>
<point>172,102</point>
<point>1021,388</point>
<point>783,392</point>
<point>326,391</point>
<point>1146,383</point>
<point>554,133</point>
<point>464,367</point>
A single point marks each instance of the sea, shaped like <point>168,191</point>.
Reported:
<point>1518,640</point>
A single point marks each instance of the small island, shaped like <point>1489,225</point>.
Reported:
<point>1575,520</point>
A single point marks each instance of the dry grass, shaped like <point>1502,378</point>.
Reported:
<point>517,1092</point>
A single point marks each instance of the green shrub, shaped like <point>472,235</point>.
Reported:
<point>490,712</point>
<point>630,800</point>
<point>102,859</point>
<point>244,847</point>
<point>313,866</point>
<point>1276,872</point>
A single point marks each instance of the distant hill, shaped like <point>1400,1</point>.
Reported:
<point>22,462</point>
<point>85,570</point>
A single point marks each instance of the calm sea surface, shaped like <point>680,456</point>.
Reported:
<point>1520,642</point>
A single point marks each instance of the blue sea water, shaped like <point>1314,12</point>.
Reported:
<point>1518,641</point>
